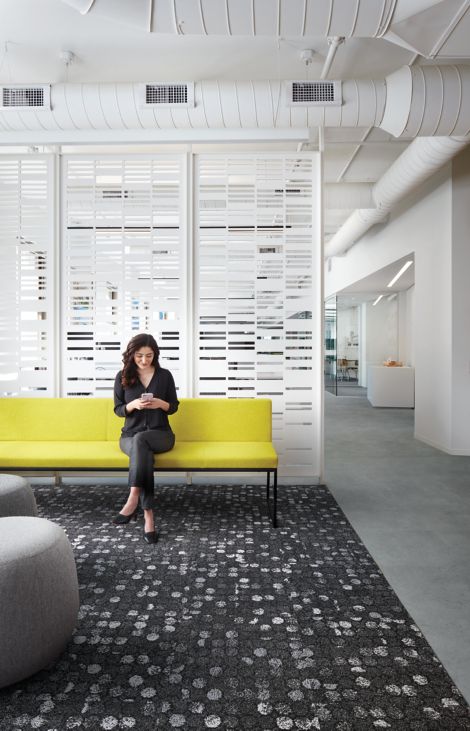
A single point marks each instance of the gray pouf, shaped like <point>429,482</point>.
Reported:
<point>16,496</point>
<point>38,595</point>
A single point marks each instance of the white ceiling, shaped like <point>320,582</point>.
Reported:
<point>107,48</point>
<point>368,288</point>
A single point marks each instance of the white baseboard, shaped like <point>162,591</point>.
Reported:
<point>442,448</point>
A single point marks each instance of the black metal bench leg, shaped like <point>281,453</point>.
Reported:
<point>273,512</point>
<point>275,500</point>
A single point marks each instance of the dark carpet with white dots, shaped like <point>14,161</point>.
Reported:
<point>228,623</point>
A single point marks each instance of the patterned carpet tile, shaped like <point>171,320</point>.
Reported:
<point>227,623</point>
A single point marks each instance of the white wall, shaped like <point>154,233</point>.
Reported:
<point>381,332</point>
<point>422,225</point>
<point>405,326</point>
<point>461,303</point>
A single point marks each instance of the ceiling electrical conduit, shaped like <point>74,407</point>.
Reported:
<point>333,45</point>
<point>423,157</point>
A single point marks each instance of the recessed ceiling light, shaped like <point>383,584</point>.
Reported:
<point>377,300</point>
<point>402,271</point>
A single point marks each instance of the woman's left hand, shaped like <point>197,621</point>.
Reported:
<point>157,403</point>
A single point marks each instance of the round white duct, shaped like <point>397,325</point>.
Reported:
<point>218,105</point>
<point>428,101</point>
<point>338,196</point>
<point>423,157</point>
<point>276,18</point>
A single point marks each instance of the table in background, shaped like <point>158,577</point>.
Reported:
<point>391,386</point>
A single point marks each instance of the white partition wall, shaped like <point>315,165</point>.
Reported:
<point>123,265</point>
<point>27,287</point>
<point>257,295</point>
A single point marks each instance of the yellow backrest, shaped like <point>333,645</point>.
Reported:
<point>53,419</point>
<point>213,419</point>
<point>223,420</point>
<point>93,419</point>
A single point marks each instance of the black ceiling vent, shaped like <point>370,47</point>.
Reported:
<point>313,93</point>
<point>169,95</point>
<point>25,96</point>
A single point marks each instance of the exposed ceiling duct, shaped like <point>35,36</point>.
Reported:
<point>339,196</point>
<point>422,26</point>
<point>359,18</point>
<point>427,101</point>
<point>419,161</point>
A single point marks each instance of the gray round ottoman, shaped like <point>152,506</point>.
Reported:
<point>16,496</point>
<point>38,595</point>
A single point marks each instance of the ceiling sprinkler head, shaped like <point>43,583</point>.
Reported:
<point>67,57</point>
<point>307,56</point>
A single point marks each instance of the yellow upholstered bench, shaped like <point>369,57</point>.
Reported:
<point>79,434</point>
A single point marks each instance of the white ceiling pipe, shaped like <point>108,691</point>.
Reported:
<point>423,157</point>
<point>333,45</point>
<point>276,18</point>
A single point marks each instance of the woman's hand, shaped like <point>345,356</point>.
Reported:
<point>157,403</point>
<point>138,404</point>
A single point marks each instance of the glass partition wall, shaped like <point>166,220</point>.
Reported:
<point>342,361</point>
<point>330,346</point>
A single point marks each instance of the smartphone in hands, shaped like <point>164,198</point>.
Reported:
<point>146,396</point>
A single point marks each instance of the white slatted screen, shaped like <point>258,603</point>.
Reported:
<point>124,265</point>
<point>258,256</point>
<point>125,249</point>
<point>26,276</point>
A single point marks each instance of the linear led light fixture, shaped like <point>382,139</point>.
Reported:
<point>402,271</point>
<point>377,300</point>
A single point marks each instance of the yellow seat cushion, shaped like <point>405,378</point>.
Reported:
<point>218,455</point>
<point>68,455</point>
<point>107,455</point>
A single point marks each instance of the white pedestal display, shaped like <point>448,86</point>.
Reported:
<point>391,386</point>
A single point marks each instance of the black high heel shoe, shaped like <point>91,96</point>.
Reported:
<point>150,537</point>
<point>121,519</point>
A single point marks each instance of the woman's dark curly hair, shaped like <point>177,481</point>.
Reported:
<point>129,370</point>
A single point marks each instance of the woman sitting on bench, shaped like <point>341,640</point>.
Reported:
<point>144,394</point>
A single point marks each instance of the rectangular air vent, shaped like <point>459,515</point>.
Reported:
<point>25,96</point>
<point>168,95</point>
<point>313,93</point>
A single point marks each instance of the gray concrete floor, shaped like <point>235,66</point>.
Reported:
<point>410,505</point>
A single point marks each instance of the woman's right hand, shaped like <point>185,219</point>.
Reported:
<point>137,403</point>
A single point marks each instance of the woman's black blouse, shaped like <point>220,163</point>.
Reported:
<point>162,386</point>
